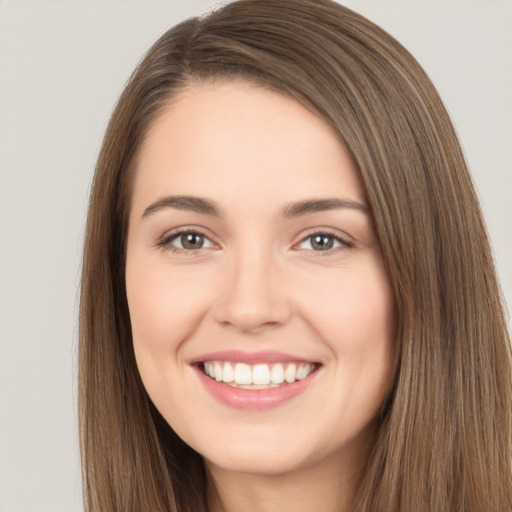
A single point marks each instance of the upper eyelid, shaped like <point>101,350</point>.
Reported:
<point>343,237</point>
<point>165,242</point>
<point>334,252</point>
<point>174,233</point>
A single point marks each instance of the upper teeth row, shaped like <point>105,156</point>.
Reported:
<point>241,373</point>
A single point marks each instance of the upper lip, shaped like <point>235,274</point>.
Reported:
<point>239,356</point>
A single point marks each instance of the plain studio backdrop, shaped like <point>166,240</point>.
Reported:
<point>63,64</point>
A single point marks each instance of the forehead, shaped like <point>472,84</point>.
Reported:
<point>234,139</point>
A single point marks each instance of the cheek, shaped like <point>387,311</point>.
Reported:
<point>356,305</point>
<point>164,307</point>
<point>354,313</point>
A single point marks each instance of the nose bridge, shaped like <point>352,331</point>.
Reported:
<point>252,294</point>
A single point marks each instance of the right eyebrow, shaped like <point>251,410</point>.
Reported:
<point>190,203</point>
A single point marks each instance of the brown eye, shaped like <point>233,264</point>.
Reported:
<point>191,240</point>
<point>320,241</point>
<point>187,241</point>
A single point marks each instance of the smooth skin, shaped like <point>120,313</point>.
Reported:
<point>251,273</point>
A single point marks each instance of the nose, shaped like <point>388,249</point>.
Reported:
<point>253,294</point>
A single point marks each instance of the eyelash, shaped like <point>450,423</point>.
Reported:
<point>166,242</point>
<point>344,243</point>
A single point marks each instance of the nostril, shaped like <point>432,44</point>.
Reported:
<point>247,317</point>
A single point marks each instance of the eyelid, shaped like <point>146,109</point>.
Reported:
<point>164,242</point>
<point>345,241</point>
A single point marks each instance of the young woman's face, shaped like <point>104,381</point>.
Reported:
<point>262,315</point>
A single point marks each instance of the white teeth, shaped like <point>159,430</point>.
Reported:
<point>258,376</point>
<point>243,374</point>
<point>277,374</point>
<point>290,373</point>
<point>217,371</point>
<point>302,371</point>
<point>229,373</point>
<point>261,374</point>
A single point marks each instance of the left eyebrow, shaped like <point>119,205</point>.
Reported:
<point>299,208</point>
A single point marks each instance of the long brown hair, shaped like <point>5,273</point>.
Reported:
<point>445,434</point>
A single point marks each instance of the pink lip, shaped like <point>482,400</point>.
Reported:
<point>251,399</point>
<point>238,356</point>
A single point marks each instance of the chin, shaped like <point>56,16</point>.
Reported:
<point>269,457</point>
<point>258,463</point>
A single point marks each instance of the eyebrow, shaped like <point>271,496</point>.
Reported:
<point>299,208</point>
<point>294,209</point>
<point>190,203</point>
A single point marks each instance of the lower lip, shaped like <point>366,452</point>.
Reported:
<point>254,399</point>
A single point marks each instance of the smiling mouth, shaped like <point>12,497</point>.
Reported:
<point>257,376</point>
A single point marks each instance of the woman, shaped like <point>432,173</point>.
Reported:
<point>288,297</point>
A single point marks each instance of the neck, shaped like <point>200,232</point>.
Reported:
<point>328,486</point>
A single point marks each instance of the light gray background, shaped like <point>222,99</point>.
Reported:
<point>62,66</point>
